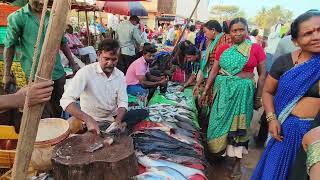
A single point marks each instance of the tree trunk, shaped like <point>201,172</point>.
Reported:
<point>71,160</point>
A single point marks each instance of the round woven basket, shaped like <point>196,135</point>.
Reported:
<point>51,131</point>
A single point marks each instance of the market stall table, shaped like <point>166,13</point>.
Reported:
<point>168,144</point>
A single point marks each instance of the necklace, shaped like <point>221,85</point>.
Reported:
<point>296,62</point>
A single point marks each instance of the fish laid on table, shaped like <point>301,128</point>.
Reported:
<point>159,137</point>
<point>184,119</point>
<point>187,114</point>
<point>186,108</point>
<point>169,173</point>
<point>180,159</point>
<point>178,135</point>
<point>181,137</point>
<point>172,97</point>
<point>167,127</point>
<point>165,148</point>
<point>186,171</point>
<point>154,142</point>
<point>155,118</point>
<point>186,126</point>
<point>157,146</point>
<point>177,129</point>
<point>163,136</point>
<point>157,106</point>
<point>182,152</point>
<point>150,176</point>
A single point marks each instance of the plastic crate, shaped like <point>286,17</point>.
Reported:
<point>3,32</point>
<point>7,156</point>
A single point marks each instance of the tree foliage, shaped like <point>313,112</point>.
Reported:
<point>226,12</point>
<point>266,18</point>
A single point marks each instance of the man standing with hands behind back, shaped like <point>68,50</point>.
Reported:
<point>128,36</point>
<point>22,30</point>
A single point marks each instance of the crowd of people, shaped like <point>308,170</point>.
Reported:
<point>218,59</point>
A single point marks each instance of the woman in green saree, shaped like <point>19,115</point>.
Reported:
<point>234,92</point>
<point>216,38</point>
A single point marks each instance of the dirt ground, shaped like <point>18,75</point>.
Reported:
<point>222,169</point>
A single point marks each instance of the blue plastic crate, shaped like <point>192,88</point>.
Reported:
<point>3,32</point>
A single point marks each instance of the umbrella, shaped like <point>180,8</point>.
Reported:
<point>127,8</point>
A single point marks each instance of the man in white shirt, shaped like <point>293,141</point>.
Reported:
<point>170,36</point>
<point>144,35</point>
<point>101,88</point>
<point>128,36</point>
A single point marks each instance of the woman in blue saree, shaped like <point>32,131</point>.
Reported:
<point>291,99</point>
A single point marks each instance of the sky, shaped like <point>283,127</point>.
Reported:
<point>251,7</point>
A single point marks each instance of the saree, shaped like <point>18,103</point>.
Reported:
<point>232,109</point>
<point>278,157</point>
<point>204,70</point>
<point>204,65</point>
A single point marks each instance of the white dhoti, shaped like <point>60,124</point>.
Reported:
<point>65,61</point>
<point>89,50</point>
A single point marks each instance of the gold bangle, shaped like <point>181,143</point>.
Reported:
<point>271,116</point>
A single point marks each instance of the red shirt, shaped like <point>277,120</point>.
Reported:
<point>257,56</point>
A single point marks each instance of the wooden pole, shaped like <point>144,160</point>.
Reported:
<point>102,25</point>
<point>79,22</point>
<point>100,19</point>
<point>87,24</point>
<point>31,115</point>
<point>184,29</point>
<point>95,25</point>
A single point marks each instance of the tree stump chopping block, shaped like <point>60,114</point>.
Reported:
<point>72,161</point>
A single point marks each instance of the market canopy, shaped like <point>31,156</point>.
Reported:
<point>82,5</point>
<point>124,0</point>
<point>127,8</point>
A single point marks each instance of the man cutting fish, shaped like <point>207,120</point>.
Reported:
<point>101,88</point>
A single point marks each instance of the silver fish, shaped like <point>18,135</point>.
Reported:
<point>176,158</point>
<point>170,173</point>
<point>186,171</point>
<point>149,176</point>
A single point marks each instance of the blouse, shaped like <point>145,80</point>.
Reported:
<point>257,56</point>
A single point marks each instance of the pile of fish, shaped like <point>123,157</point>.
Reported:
<point>168,145</point>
